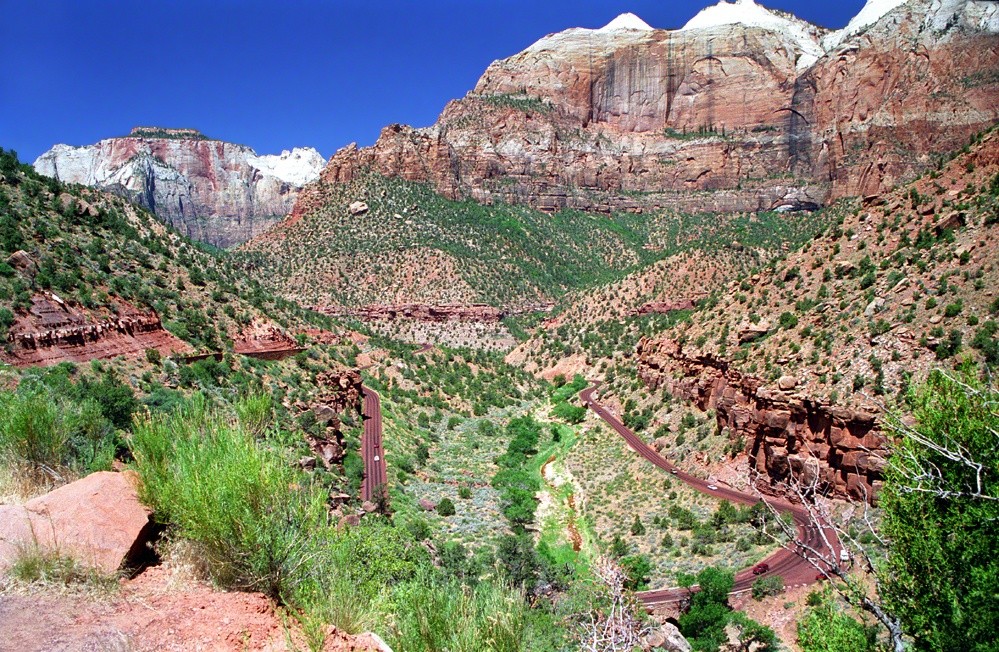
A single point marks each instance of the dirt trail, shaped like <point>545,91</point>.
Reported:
<point>161,610</point>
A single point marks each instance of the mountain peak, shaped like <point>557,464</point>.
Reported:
<point>626,21</point>
<point>749,14</point>
<point>171,134</point>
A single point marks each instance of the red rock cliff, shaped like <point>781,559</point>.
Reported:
<point>718,118</point>
<point>787,435</point>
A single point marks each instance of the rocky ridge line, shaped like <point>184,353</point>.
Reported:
<point>788,436</point>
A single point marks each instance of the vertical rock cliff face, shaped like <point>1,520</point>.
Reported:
<point>748,108</point>
<point>918,82</point>
<point>212,191</point>
<point>788,436</point>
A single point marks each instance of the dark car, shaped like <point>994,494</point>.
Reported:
<point>760,568</point>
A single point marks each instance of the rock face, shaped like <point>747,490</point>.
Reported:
<point>787,436</point>
<point>424,312</point>
<point>742,109</point>
<point>98,521</point>
<point>265,341</point>
<point>213,191</point>
<point>53,331</point>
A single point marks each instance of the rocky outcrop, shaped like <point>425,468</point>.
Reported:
<point>265,341</point>
<point>98,521</point>
<point>422,312</point>
<point>338,391</point>
<point>213,191</point>
<point>787,435</point>
<point>743,109</point>
<point>53,331</point>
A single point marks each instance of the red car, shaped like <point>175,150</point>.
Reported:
<point>760,568</point>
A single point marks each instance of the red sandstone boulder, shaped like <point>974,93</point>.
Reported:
<point>98,521</point>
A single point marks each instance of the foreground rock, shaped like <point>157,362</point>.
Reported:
<point>210,190</point>
<point>98,521</point>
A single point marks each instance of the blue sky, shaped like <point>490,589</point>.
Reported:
<point>274,75</point>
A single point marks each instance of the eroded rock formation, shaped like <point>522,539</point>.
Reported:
<point>787,436</point>
<point>213,191</point>
<point>53,331</point>
<point>265,341</point>
<point>423,312</point>
<point>339,391</point>
<point>743,109</point>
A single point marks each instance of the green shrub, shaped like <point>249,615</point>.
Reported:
<point>637,569</point>
<point>825,629</point>
<point>941,569</point>
<point>445,507</point>
<point>437,614</point>
<point>768,586</point>
<point>704,623</point>
<point>43,433</point>
<point>205,476</point>
<point>787,320</point>
<point>569,413</point>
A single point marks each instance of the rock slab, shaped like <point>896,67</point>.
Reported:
<point>98,521</point>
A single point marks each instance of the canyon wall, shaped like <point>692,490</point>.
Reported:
<point>789,437</point>
<point>753,114</point>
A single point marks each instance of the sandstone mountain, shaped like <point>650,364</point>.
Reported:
<point>742,109</point>
<point>217,192</point>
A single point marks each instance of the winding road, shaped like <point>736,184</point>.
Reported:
<point>371,447</point>
<point>786,563</point>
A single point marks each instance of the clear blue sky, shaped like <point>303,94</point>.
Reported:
<point>274,75</point>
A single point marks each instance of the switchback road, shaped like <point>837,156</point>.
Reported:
<point>785,563</point>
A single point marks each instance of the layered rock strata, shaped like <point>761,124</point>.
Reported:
<point>743,109</point>
<point>53,331</point>
<point>422,312</point>
<point>217,192</point>
<point>791,439</point>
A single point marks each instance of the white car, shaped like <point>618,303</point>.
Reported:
<point>377,458</point>
<point>712,487</point>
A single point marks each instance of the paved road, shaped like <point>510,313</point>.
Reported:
<point>371,447</point>
<point>785,563</point>
<point>371,442</point>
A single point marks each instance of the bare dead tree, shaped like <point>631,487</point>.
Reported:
<point>615,625</point>
<point>825,558</point>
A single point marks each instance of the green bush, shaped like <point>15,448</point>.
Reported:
<point>787,320</point>
<point>940,506</point>
<point>704,623</point>
<point>765,587</point>
<point>205,476</point>
<point>825,629</point>
<point>445,507</point>
<point>569,413</point>
<point>43,432</point>
<point>437,614</point>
